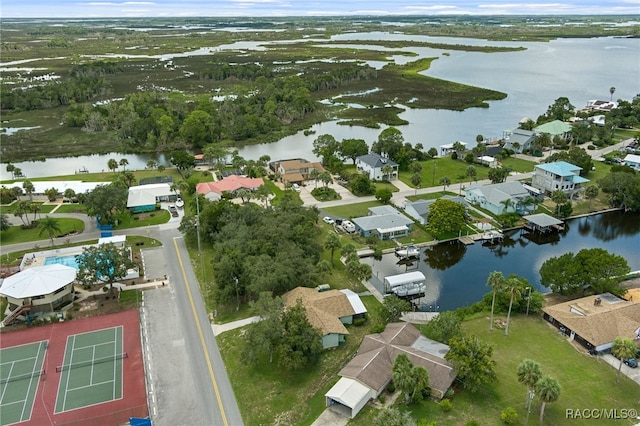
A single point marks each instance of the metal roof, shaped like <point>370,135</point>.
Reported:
<point>37,281</point>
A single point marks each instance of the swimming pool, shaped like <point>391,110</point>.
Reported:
<point>62,260</point>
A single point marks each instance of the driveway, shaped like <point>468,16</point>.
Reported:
<point>632,373</point>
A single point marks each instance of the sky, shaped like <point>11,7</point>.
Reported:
<point>221,8</point>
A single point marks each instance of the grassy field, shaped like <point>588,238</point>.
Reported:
<point>15,234</point>
<point>586,381</point>
<point>287,397</point>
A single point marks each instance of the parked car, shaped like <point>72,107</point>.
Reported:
<point>328,220</point>
<point>296,187</point>
<point>173,210</point>
<point>631,362</point>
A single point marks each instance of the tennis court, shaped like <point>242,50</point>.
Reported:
<point>20,372</point>
<point>91,372</point>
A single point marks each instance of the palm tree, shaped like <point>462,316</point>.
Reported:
<point>11,169</point>
<point>622,349</point>
<point>559,197</point>
<point>314,174</point>
<point>471,173</point>
<point>323,267</point>
<point>403,378</point>
<point>445,181</point>
<point>529,373</point>
<point>612,90</point>
<point>332,243</point>
<point>124,163</point>
<point>548,390</point>
<point>512,285</point>
<point>387,170</point>
<point>112,164</point>
<point>507,202</point>
<point>29,189</point>
<point>496,282</point>
<point>421,377</point>
<point>49,226</point>
<point>348,249</point>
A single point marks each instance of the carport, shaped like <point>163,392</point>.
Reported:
<point>348,397</point>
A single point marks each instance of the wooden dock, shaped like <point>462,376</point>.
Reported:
<point>466,240</point>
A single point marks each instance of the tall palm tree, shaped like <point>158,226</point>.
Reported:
<point>529,373</point>
<point>112,164</point>
<point>612,90</point>
<point>496,282</point>
<point>387,170</point>
<point>559,197</point>
<point>49,226</point>
<point>314,174</point>
<point>29,189</point>
<point>332,243</point>
<point>403,378</point>
<point>512,285</point>
<point>445,181</point>
<point>507,202</point>
<point>471,173</point>
<point>622,349</point>
<point>124,163</point>
<point>323,267</point>
<point>548,390</point>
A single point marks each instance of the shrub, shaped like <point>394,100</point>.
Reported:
<point>382,399</point>
<point>377,253</point>
<point>472,423</point>
<point>69,316</point>
<point>105,289</point>
<point>391,388</point>
<point>509,416</point>
<point>445,405</point>
<point>359,321</point>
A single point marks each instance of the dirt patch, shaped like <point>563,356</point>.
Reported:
<point>97,305</point>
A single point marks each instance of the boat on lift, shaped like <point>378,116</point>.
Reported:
<point>179,203</point>
<point>409,251</point>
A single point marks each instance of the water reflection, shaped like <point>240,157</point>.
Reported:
<point>457,274</point>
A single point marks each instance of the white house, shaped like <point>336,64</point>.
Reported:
<point>384,222</point>
<point>560,175</point>
<point>145,197</point>
<point>633,161</point>
<point>38,289</point>
<point>372,164</point>
<point>494,197</point>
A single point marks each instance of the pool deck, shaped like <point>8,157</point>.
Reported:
<point>39,258</point>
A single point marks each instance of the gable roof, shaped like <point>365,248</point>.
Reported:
<point>422,207</point>
<point>520,135</point>
<point>498,192</point>
<point>598,323</point>
<point>324,309</point>
<point>375,160</point>
<point>374,362</point>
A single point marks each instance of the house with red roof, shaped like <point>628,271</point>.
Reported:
<point>233,183</point>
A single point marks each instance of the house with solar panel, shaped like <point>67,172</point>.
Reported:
<point>560,175</point>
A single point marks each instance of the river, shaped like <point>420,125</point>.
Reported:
<point>457,274</point>
<point>580,69</point>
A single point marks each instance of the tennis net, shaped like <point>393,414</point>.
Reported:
<point>111,358</point>
<point>22,376</point>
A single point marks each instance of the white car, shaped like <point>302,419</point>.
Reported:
<point>296,187</point>
<point>328,220</point>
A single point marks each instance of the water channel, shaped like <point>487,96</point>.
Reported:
<point>580,69</point>
<point>457,274</point>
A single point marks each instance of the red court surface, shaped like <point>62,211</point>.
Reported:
<point>133,402</point>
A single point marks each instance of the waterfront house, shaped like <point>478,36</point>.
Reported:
<point>370,371</point>
<point>554,128</point>
<point>498,198</point>
<point>296,171</point>
<point>384,222</point>
<point>419,209</point>
<point>560,175</point>
<point>519,140</point>
<point>144,198</point>
<point>372,164</point>
<point>328,311</point>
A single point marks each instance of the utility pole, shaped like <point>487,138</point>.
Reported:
<point>528,299</point>
<point>198,221</point>
<point>237,296</point>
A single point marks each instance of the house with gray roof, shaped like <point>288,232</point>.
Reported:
<point>519,140</point>
<point>494,197</point>
<point>371,370</point>
<point>384,222</point>
<point>559,175</point>
<point>371,165</point>
<point>419,210</point>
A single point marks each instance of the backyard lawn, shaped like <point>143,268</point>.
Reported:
<point>586,381</point>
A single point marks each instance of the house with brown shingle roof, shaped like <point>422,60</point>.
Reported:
<point>371,370</point>
<point>296,171</point>
<point>595,321</point>
<point>328,311</point>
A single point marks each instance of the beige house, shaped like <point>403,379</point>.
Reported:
<point>370,371</point>
<point>595,321</point>
<point>38,289</point>
<point>296,171</point>
<point>328,311</point>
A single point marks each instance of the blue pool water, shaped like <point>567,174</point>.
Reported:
<point>62,260</point>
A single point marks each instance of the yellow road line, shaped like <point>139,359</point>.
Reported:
<point>204,347</point>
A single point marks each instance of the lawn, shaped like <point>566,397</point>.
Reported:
<point>287,397</point>
<point>349,211</point>
<point>16,234</point>
<point>586,382</point>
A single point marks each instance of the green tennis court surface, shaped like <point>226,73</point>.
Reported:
<point>20,372</point>
<point>92,369</point>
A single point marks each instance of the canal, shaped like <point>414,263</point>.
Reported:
<point>457,274</point>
